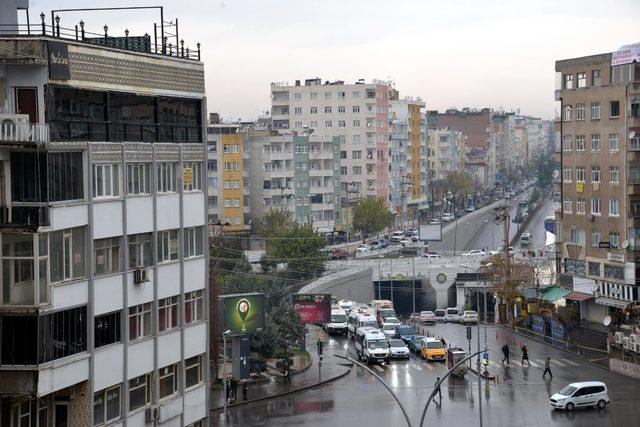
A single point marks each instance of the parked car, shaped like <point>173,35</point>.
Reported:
<point>362,248</point>
<point>384,242</point>
<point>398,349</point>
<point>427,317</point>
<point>453,315</point>
<point>446,217</point>
<point>582,394</point>
<point>397,236</point>
<point>474,252</point>
<point>338,254</point>
<point>430,255</point>
<point>415,345</point>
<point>501,250</point>
<point>405,242</point>
<point>441,314</point>
<point>375,245</point>
<point>469,316</point>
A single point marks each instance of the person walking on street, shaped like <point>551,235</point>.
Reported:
<point>285,375</point>
<point>438,391</point>
<point>547,369</point>
<point>505,352</point>
<point>245,390</point>
<point>525,354</point>
<point>320,345</point>
<point>234,389</point>
<point>228,392</point>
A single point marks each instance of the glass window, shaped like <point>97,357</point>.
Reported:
<point>580,142</point>
<point>139,392</point>
<point>614,207</point>
<point>614,109</point>
<point>614,175</point>
<point>167,177</point>
<point>139,250</point>
<point>65,174</point>
<point>106,180</point>
<point>595,142</point>
<point>594,268</point>
<point>193,306</point>
<point>138,178</point>
<point>106,405</point>
<point>595,173</point>
<point>580,174</point>
<point>193,242</point>
<point>139,321</point>
<point>614,142</point>
<point>595,206</point>
<point>106,329</point>
<point>567,113</point>
<point>167,313</point>
<point>596,78</point>
<point>67,249</point>
<point>580,111</point>
<point>567,143</point>
<point>595,239</point>
<point>167,245</point>
<point>582,79</point>
<point>567,175</point>
<point>595,111</point>
<point>168,378</point>
<point>568,81</point>
<point>193,371</point>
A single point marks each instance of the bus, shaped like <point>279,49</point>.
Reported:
<point>550,224</point>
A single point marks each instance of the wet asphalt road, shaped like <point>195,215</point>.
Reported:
<point>519,397</point>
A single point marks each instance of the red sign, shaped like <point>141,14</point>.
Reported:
<point>313,308</point>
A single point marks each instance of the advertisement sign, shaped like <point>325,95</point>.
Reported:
<point>313,308</point>
<point>557,329</point>
<point>58,60</point>
<point>187,176</point>
<point>580,187</point>
<point>431,232</point>
<point>626,55</point>
<point>537,323</point>
<point>242,313</point>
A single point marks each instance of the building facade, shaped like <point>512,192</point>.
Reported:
<point>103,308</point>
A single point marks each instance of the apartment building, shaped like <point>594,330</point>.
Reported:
<point>597,185</point>
<point>103,305</point>
<point>356,114</point>
<point>229,190</point>
<point>449,150</point>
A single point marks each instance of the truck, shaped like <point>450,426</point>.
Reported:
<point>382,308</point>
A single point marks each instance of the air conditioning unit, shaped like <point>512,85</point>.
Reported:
<point>140,275</point>
<point>635,347</point>
<point>626,343</point>
<point>619,337</point>
<point>151,414</point>
<point>635,338</point>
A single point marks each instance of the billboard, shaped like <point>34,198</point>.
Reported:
<point>313,308</point>
<point>431,232</point>
<point>242,313</point>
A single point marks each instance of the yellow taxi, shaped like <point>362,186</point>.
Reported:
<point>432,349</point>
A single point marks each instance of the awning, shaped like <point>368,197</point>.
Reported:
<point>554,293</point>
<point>578,296</point>
<point>612,302</point>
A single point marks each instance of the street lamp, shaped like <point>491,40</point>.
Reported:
<point>224,374</point>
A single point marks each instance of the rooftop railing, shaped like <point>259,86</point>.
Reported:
<point>23,132</point>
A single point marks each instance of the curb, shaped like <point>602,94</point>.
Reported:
<point>261,399</point>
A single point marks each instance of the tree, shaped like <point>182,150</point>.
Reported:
<point>299,246</point>
<point>274,221</point>
<point>288,324</point>
<point>459,184</point>
<point>371,215</point>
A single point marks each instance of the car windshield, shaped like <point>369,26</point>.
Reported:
<point>387,312</point>
<point>373,323</point>
<point>470,313</point>
<point>440,313</point>
<point>568,391</point>
<point>338,318</point>
<point>406,330</point>
<point>434,344</point>
<point>388,327</point>
<point>452,311</point>
<point>396,343</point>
<point>393,320</point>
<point>417,338</point>
<point>427,313</point>
<point>375,344</point>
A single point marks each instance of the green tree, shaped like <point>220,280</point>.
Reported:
<point>459,184</point>
<point>299,247</point>
<point>274,221</point>
<point>371,215</point>
<point>288,324</point>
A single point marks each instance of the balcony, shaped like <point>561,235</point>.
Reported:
<point>24,218</point>
<point>24,133</point>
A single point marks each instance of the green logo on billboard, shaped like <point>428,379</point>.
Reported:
<point>243,309</point>
<point>441,277</point>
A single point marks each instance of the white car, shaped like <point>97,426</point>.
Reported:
<point>397,236</point>
<point>405,242</point>
<point>434,221</point>
<point>446,217</point>
<point>392,320</point>
<point>388,329</point>
<point>398,349</point>
<point>427,317</point>
<point>501,250</point>
<point>470,209</point>
<point>474,252</point>
<point>362,248</point>
<point>430,255</point>
<point>452,315</point>
<point>469,316</point>
<point>582,394</point>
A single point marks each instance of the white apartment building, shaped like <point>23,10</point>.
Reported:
<point>103,303</point>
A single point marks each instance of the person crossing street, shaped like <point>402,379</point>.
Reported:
<point>547,369</point>
<point>505,352</point>
<point>525,354</point>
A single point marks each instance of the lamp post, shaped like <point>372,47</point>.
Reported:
<point>82,30</point>
<point>224,374</point>
<point>126,38</point>
<point>105,28</point>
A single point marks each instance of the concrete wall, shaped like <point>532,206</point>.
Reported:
<point>353,284</point>
<point>625,368</point>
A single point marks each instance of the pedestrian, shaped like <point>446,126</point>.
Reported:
<point>227,392</point>
<point>505,352</point>
<point>547,369</point>
<point>525,354</point>
<point>438,389</point>
<point>245,390</point>
<point>285,375</point>
<point>444,343</point>
<point>234,389</point>
<point>320,345</point>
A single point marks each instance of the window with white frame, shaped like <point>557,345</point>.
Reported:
<point>595,173</point>
<point>595,206</point>
<point>595,238</point>
<point>297,110</point>
<point>580,143</point>
<point>313,110</point>
<point>568,81</point>
<point>341,95</point>
<point>614,175</point>
<point>193,242</point>
<point>328,124</point>
<point>227,148</point>
<point>168,380</point>
<point>614,142</point>
<point>578,236</point>
<point>139,392</point>
<point>356,138</point>
<point>342,124</point>
<point>580,174</point>
<point>313,124</point>
<point>580,111</point>
<point>195,169</point>
<point>236,203</point>
<point>166,177</point>
<point>614,239</point>
<point>106,405</point>
<point>167,245</point>
<point>614,207</point>
<point>355,94</point>
<point>167,313</point>
<point>66,254</point>
<point>567,143</point>
<point>356,109</point>
<point>356,124</point>
<point>327,95</point>
<point>138,178</point>
<point>341,109</point>
<point>227,166</point>
<point>582,80</point>
<point>595,111</point>
<point>227,203</point>
<point>580,206</point>
<point>567,113</point>
<point>313,95</point>
<point>236,166</point>
<point>567,175</point>
<point>297,96</point>
<point>139,250</point>
<point>193,306</point>
<point>237,220</point>
<point>192,371</point>
<point>140,321</point>
<point>106,179</point>
<point>107,255</point>
<point>568,206</point>
<point>595,142</point>
<point>227,184</point>
<point>327,110</point>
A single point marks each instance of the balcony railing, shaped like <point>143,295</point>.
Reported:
<point>23,132</point>
<point>25,217</point>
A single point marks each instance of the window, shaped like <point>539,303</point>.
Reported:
<point>227,166</point>
<point>595,238</point>
<point>614,109</point>
<point>297,110</point>
<point>138,178</point>
<point>614,142</point>
<point>193,170</point>
<point>227,203</point>
<point>105,180</point>
<point>313,124</point>
<point>577,236</point>
<point>236,166</point>
<point>227,148</point>
<point>342,123</point>
<point>341,95</point>
<point>356,109</point>
<point>567,113</point>
<point>580,206</point>
<point>357,170</point>
<point>139,250</point>
<point>568,81</point>
<point>595,142</point>
<point>106,329</point>
<point>595,206</point>
<point>594,267</point>
<point>297,96</point>
<point>167,245</point>
<point>298,125</point>
<point>568,206</point>
<point>193,306</point>
<point>313,110</point>
<point>67,254</point>
<point>236,203</point>
<point>64,174</point>
<point>168,379</point>
<point>595,111</point>
<point>580,143</point>
<point>614,175</point>
<point>313,95</point>
<point>139,392</point>
<point>596,78</point>
<point>613,271</point>
<point>327,124</point>
<point>567,143</point>
<point>167,313</point>
<point>167,177</point>
<point>356,138</point>
<point>580,111</point>
<point>193,242</point>
<point>227,184</point>
<point>355,94</point>
<point>356,154</point>
<point>580,174</point>
<point>582,79</point>
<point>341,109</point>
<point>595,173</point>
<point>343,170</point>
<point>327,110</point>
<point>107,255</point>
<point>614,239</point>
<point>106,405</point>
<point>327,95</point>
<point>567,175</point>
<point>139,321</point>
<point>192,371</point>
<point>614,207</point>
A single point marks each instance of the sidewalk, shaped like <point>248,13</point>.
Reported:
<point>329,369</point>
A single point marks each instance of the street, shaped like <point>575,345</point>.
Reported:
<point>519,396</point>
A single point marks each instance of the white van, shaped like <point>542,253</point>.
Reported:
<point>346,305</point>
<point>452,315</point>
<point>338,324</point>
<point>583,394</point>
<point>525,239</point>
<point>359,318</point>
<point>371,345</point>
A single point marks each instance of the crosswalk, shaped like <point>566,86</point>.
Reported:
<point>536,363</point>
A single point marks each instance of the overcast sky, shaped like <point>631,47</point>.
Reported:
<point>477,53</point>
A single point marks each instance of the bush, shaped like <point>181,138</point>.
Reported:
<point>265,341</point>
<point>257,364</point>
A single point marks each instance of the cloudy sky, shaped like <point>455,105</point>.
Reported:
<point>494,53</point>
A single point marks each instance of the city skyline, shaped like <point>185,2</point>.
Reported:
<point>288,41</point>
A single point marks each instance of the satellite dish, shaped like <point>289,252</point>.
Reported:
<point>632,134</point>
<point>556,174</point>
<point>556,206</point>
<point>606,321</point>
<point>625,244</point>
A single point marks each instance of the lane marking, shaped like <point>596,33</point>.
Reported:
<point>378,368</point>
<point>429,367</point>
<point>571,362</point>
<point>516,363</point>
<point>557,362</point>
<point>417,367</point>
